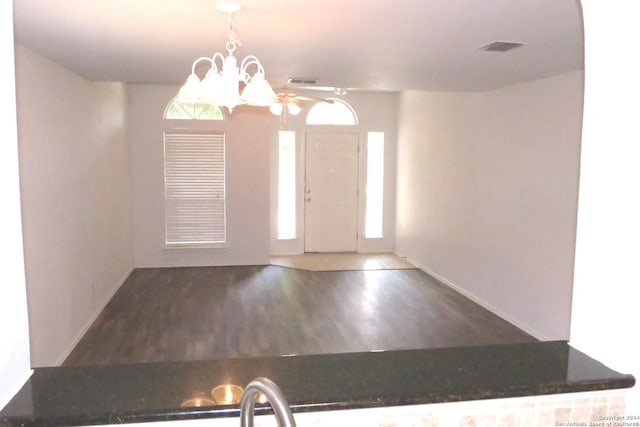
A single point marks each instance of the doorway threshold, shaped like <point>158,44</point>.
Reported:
<point>341,261</point>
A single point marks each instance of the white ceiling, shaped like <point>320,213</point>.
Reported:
<point>374,45</point>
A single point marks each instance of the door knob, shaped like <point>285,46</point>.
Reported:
<point>308,199</point>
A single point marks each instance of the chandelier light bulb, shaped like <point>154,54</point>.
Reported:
<point>190,91</point>
<point>258,92</point>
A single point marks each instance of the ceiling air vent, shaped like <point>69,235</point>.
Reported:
<point>302,80</point>
<point>501,46</point>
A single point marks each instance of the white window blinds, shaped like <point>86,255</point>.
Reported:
<point>194,188</point>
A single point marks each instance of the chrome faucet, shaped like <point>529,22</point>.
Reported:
<point>275,397</point>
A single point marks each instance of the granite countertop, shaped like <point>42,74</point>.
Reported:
<point>155,391</point>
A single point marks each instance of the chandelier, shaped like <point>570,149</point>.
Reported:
<point>221,84</point>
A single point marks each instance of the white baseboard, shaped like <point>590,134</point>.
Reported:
<point>92,319</point>
<point>526,328</point>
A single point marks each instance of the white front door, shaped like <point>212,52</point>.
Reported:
<point>331,192</point>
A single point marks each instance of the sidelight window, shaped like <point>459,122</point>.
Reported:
<point>375,185</point>
<point>286,185</point>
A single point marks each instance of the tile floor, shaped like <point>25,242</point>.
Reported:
<point>342,261</point>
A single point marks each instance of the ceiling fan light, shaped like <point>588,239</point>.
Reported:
<point>293,108</point>
<point>258,92</point>
<point>276,108</point>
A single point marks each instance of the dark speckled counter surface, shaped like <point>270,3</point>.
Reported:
<point>154,391</point>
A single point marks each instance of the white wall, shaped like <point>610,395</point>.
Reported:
<point>247,155</point>
<point>14,326</point>
<point>609,108</point>
<point>251,178</point>
<point>376,112</point>
<point>604,321</point>
<point>76,199</point>
<point>487,195</point>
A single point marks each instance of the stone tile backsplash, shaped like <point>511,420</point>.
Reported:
<point>578,409</point>
<point>589,409</point>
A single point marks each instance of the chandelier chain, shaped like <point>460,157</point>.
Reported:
<point>234,40</point>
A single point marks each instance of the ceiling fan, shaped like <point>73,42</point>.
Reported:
<point>291,103</point>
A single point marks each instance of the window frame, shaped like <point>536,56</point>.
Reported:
<point>197,126</point>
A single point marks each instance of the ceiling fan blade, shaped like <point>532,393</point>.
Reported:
<point>312,99</point>
<point>288,96</point>
<point>307,98</point>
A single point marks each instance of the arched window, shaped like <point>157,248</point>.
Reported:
<point>191,111</point>
<point>334,112</point>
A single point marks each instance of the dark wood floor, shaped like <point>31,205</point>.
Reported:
<point>174,314</point>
